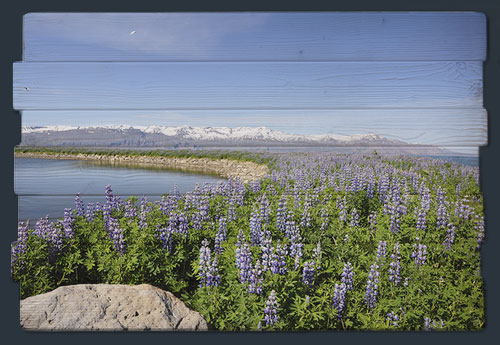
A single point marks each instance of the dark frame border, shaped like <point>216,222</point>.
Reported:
<point>11,24</point>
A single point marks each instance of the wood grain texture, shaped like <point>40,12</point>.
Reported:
<point>438,127</point>
<point>55,179</point>
<point>328,36</point>
<point>153,85</point>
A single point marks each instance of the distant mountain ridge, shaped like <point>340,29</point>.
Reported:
<point>186,136</point>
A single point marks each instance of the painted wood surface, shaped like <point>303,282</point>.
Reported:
<point>337,36</point>
<point>89,178</point>
<point>152,85</point>
<point>439,127</point>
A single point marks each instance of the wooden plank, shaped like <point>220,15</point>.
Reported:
<point>34,207</point>
<point>327,36</point>
<point>196,85</point>
<point>57,183</point>
<point>67,177</point>
<point>438,127</point>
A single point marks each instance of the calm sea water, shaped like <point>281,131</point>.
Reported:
<point>47,186</point>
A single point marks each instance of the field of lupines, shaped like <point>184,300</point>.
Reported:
<point>325,241</point>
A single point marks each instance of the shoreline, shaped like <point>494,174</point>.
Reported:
<point>244,170</point>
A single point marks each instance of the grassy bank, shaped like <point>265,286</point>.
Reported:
<point>255,157</point>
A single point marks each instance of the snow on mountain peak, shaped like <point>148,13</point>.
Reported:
<point>220,133</point>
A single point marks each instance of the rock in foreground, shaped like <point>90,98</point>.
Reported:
<point>108,308</point>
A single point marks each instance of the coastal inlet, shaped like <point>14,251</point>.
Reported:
<point>47,186</point>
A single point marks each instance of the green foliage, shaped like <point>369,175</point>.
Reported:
<point>447,288</point>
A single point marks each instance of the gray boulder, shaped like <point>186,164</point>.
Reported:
<point>106,307</point>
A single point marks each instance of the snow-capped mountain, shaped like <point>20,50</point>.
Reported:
<point>189,136</point>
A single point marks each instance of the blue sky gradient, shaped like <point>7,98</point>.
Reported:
<point>155,37</point>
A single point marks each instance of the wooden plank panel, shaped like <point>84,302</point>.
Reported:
<point>438,127</point>
<point>139,182</point>
<point>67,177</point>
<point>328,36</point>
<point>34,207</point>
<point>247,85</point>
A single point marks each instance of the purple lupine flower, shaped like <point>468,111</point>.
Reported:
<point>462,209</point>
<point>340,291</point>
<point>109,194</point>
<point>441,216</point>
<point>430,325</point>
<point>317,255</point>
<point>394,218</point>
<point>450,236</point>
<point>347,276</point>
<point>267,249</point>
<point>305,220</point>
<point>79,206</point>
<point>354,218</point>
<point>130,211</point>
<point>165,236</point>
<point>271,309</point>
<point>372,220</point>
<point>18,248</point>
<point>296,249</point>
<point>116,235</point>
<point>241,238</point>
<point>419,254</point>
<point>255,279</point>
<point>204,207</point>
<point>278,263</point>
<point>182,224</point>
<point>90,212</point>
<point>372,286</point>
<point>255,228</point>
<point>255,186</point>
<point>244,262</point>
<point>221,235</point>
<point>325,219</point>
<point>395,266</point>
<point>168,204</point>
<point>47,231</point>
<point>145,210</point>
<point>112,201</point>
<point>281,214</point>
<point>290,226</point>
<point>392,319</point>
<point>208,273</point>
<point>479,227</point>
<point>421,219</point>
<point>342,206</point>
<point>213,277</point>
<point>370,186</point>
<point>308,273</point>
<point>106,215</point>
<point>339,295</point>
<point>67,224</point>
<point>381,252</point>
<point>264,209</point>
<point>383,187</point>
<point>219,238</point>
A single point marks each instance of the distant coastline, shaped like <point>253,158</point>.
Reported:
<point>246,171</point>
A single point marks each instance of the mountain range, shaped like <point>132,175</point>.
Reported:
<point>187,136</point>
<point>206,137</point>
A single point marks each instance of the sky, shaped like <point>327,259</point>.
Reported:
<point>244,37</point>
